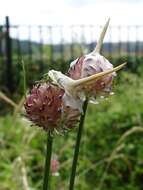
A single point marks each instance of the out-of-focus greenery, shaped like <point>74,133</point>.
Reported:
<point>36,66</point>
<point>111,154</point>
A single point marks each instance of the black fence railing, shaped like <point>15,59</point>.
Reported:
<point>43,47</point>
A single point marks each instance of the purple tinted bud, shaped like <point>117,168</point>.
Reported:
<point>45,107</point>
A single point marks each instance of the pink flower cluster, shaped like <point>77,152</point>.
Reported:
<point>45,108</point>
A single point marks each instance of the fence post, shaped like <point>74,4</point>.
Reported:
<point>1,41</point>
<point>8,53</point>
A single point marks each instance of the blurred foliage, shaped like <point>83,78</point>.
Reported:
<point>37,66</point>
<point>111,154</point>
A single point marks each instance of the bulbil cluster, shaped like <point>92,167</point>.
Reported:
<point>89,65</point>
<point>45,108</point>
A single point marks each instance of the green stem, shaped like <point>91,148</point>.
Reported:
<point>46,181</point>
<point>77,146</point>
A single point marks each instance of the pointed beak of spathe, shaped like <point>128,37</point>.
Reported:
<point>101,38</point>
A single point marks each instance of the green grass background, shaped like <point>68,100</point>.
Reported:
<point>105,163</point>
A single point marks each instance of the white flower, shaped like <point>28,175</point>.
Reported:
<point>88,77</point>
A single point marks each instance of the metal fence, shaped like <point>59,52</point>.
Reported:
<point>44,46</point>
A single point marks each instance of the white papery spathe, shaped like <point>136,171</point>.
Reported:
<point>76,91</point>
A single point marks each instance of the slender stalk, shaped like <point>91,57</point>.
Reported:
<point>46,180</point>
<point>77,146</point>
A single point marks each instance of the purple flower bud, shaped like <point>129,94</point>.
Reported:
<point>89,65</point>
<point>45,107</point>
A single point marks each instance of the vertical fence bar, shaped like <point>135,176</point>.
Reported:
<point>91,45</point>
<point>51,44</point>
<point>1,55</point>
<point>1,36</point>
<point>62,43</point>
<point>137,42</point>
<point>110,42</point>
<point>41,50</point>
<point>8,52</point>
<point>136,46</point>
<point>119,41</point>
<point>18,44</point>
<point>29,44</point>
<point>18,59</point>
<point>72,44</point>
<point>83,41</point>
<point>128,41</point>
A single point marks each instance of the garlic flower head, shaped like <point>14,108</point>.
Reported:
<point>45,108</point>
<point>56,105</point>
<point>89,65</point>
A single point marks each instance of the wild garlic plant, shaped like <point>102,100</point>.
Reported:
<point>58,102</point>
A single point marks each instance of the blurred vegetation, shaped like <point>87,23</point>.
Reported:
<point>111,154</point>
<point>36,67</point>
